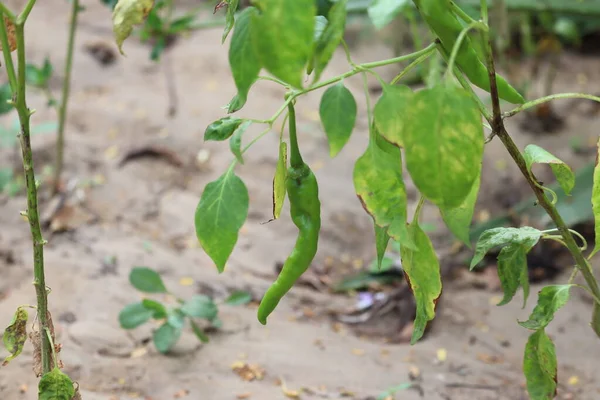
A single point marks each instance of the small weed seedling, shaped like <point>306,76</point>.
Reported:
<point>173,318</point>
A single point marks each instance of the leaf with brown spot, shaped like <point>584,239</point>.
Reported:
<point>15,335</point>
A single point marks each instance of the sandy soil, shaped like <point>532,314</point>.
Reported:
<point>142,214</point>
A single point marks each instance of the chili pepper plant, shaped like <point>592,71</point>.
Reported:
<point>439,132</point>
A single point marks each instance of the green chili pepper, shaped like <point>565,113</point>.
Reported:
<point>444,24</point>
<point>305,208</point>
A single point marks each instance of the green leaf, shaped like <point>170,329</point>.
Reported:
<point>279,187</point>
<point>56,385</point>
<point>15,334</point>
<point>222,129</point>
<point>459,219</point>
<point>500,236</point>
<point>562,172</point>
<point>596,203</point>
<point>422,269</point>
<point>338,116</point>
<point>200,307</point>
<point>166,336</point>
<point>540,366</point>
<point>158,309</point>
<point>444,144</point>
<point>146,280</point>
<point>390,112</point>
<point>176,318</point>
<point>221,212</point>
<point>550,300</point>
<point>330,39</point>
<point>5,97</point>
<point>381,243</point>
<point>382,12</point>
<point>134,315</point>
<point>199,332</point>
<point>239,297</point>
<point>283,37</point>
<point>235,142</point>
<point>127,14</point>
<point>379,186</point>
<point>232,6</point>
<point>243,60</point>
<point>512,271</point>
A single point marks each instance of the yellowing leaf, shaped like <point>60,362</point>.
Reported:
<point>15,334</point>
<point>127,14</point>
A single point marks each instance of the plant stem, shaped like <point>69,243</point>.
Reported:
<point>499,130</point>
<point>533,103</point>
<point>62,111</point>
<point>8,61</point>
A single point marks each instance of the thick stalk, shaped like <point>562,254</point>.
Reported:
<point>64,101</point>
<point>499,130</point>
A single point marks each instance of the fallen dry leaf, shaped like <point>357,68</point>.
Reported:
<point>358,352</point>
<point>139,352</point>
<point>490,358</point>
<point>248,372</point>
<point>243,396</point>
<point>442,355</point>
<point>181,393</point>
<point>292,394</point>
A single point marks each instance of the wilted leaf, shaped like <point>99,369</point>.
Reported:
<point>512,270</point>
<point>235,141</point>
<point>15,334</point>
<point>500,236</point>
<point>422,269</point>
<point>232,6</point>
<point>550,300</point>
<point>562,172</point>
<point>127,14</point>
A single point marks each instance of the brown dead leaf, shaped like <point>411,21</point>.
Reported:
<point>292,394</point>
<point>243,396</point>
<point>181,393</point>
<point>77,395</point>
<point>12,37</point>
<point>490,358</point>
<point>248,372</point>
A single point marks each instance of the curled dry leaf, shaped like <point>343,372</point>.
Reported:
<point>10,30</point>
<point>248,372</point>
<point>36,341</point>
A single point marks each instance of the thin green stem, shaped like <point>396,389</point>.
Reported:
<point>460,13</point>
<point>207,24</point>
<point>296,160</point>
<point>596,298</point>
<point>64,101</point>
<point>9,14</point>
<point>367,99</point>
<point>256,139</point>
<point>8,61</point>
<point>418,210</point>
<point>348,55</point>
<point>22,17</point>
<point>273,79</point>
<point>541,100</point>
<point>410,66</point>
<point>458,43</point>
<point>32,202</point>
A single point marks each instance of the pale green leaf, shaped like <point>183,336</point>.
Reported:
<point>232,6</point>
<point>243,60</point>
<point>422,268</point>
<point>596,202</point>
<point>534,154</point>
<point>146,280</point>
<point>500,236</point>
<point>126,15</point>
<point>222,129</point>
<point>235,141</point>
<point>15,334</point>
<point>459,219</point>
<point>382,12</point>
<point>134,315</point>
<point>166,336</point>
<point>200,307</point>
<point>540,366</point>
<point>550,300</point>
<point>279,186</point>
<point>330,39</point>
<point>338,116</point>
<point>283,37</point>
<point>390,112</point>
<point>221,212</point>
<point>379,186</point>
<point>444,144</point>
